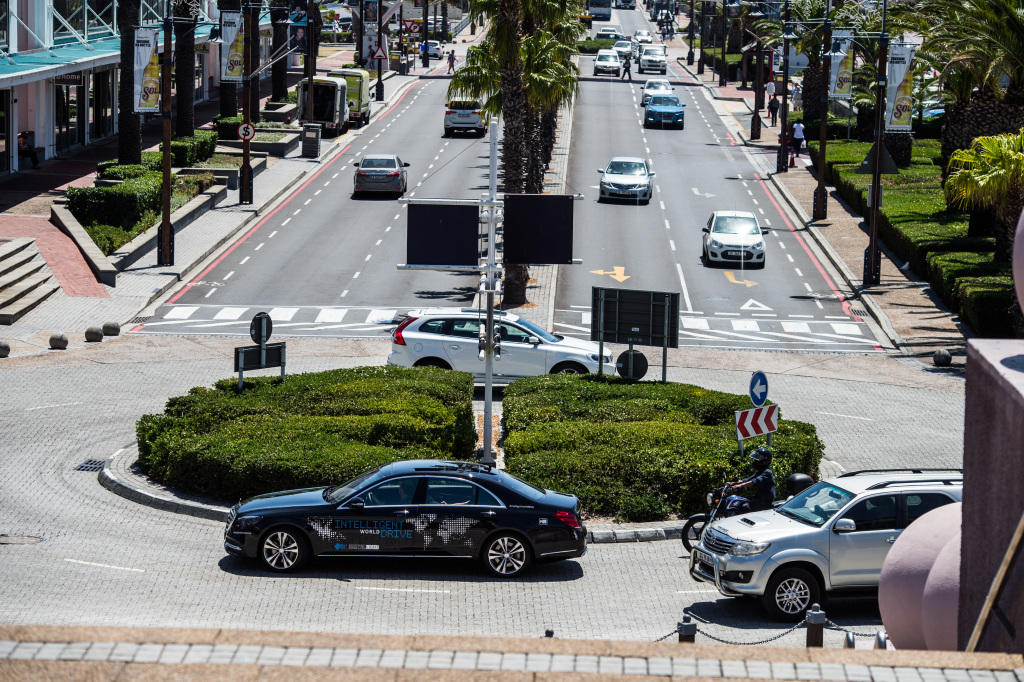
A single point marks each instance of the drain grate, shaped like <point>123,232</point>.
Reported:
<point>141,320</point>
<point>90,465</point>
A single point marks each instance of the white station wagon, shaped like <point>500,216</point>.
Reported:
<point>449,338</point>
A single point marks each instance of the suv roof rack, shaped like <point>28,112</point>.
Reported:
<point>943,481</point>
<point>910,470</point>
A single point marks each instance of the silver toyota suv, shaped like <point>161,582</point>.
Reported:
<point>830,538</point>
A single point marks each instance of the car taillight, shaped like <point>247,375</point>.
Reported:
<point>449,111</point>
<point>362,174</point>
<point>568,518</point>
<point>397,336</point>
<point>393,174</point>
<point>478,111</point>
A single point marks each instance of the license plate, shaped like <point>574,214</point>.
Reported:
<point>703,557</point>
<point>465,115</point>
<point>735,254</point>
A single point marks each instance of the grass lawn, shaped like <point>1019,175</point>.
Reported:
<point>221,161</point>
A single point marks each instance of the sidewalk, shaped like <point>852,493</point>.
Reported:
<point>906,309</point>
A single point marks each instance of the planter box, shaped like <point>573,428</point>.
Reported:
<point>280,148</point>
<point>229,176</point>
<point>279,111</point>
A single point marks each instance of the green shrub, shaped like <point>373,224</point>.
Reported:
<point>121,205</point>
<point>123,172</point>
<point>312,429</point>
<point>187,151</point>
<point>150,160</point>
<point>592,46</point>
<point>985,303</point>
<point>946,269</point>
<point>570,433</point>
<point>227,126</point>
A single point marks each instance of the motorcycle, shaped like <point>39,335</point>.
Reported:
<point>723,505</point>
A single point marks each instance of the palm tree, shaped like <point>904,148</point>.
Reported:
<point>184,73</point>
<point>129,141</point>
<point>551,80</point>
<point>807,13</point>
<point>228,90</point>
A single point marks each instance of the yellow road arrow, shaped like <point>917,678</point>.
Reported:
<point>618,273</point>
<point>731,276</point>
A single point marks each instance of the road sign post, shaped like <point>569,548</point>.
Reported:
<point>262,355</point>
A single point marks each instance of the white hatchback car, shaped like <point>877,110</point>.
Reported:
<point>449,338</point>
<point>733,237</point>
<point>607,61</point>
<point>654,86</point>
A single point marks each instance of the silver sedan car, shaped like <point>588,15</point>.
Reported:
<point>380,173</point>
<point>626,177</point>
<point>734,237</point>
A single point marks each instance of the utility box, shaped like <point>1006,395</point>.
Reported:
<point>311,140</point>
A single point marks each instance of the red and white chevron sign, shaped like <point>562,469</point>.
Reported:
<point>757,421</point>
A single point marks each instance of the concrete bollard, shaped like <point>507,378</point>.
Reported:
<point>942,358</point>
<point>549,633</point>
<point>93,334</point>
<point>849,642</point>
<point>687,630</point>
<point>5,349</point>
<point>58,341</point>
<point>111,329</point>
<point>881,640</point>
<point>815,620</point>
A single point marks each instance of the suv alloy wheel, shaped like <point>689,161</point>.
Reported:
<point>791,591</point>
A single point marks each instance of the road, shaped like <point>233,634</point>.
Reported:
<point>792,304</point>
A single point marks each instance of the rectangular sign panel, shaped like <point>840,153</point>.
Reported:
<point>538,229</point>
<point>146,71</point>
<point>248,357</point>
<point>899,95</point>
<point>643,318</point>
<point>443,235</point>
<point>232,61</point>
<point>841,78</point>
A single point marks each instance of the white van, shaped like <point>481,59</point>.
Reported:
<point>329,101</point>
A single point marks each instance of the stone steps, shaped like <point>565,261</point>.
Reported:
<point>25,279</point>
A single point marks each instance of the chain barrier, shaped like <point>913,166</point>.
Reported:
<point>763,641</point>
<point>829,625</point>
<point>662,639</point>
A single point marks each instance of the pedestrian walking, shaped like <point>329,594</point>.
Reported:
<point>451,62</point>
<point>798,137</point>
<point>769,89</point>
<point>773,109</point>
<point>626,70</point>
<point>798,97</point>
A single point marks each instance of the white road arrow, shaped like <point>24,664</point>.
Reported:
<point>703,195</point>
<point>751,304</point>
<point>759,389</point>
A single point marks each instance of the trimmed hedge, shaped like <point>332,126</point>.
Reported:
<point>592,46</point>
<point>312,429</point>
<point>577,434</point>
<point>227,126</point>
<point>150,160</point>
<point>187,151</point>
<point>915,223</point>
<point>120,205</point>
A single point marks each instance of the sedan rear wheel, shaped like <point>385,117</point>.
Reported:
<point>506,556</point>
<point>283,550</point>
<point>568,368</point>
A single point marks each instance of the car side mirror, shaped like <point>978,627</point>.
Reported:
<point>651,174</point>
<point>765,230</point>
<point>600,170</point>
<point>357,504</point>
<point>705,229</point>
<point>405,164</point>
<point>355,164</point>
<point>533,340</point>
<point>844,526</point>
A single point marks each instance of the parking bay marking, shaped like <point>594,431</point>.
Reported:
<point>404,589</point>
<point>93,563</point>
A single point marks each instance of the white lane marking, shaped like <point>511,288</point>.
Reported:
<point>657,188</point>
<point>355,276</point>
<point>781,245</point>
<point>243,261</point>
<point>763,315</point>
<point>229,313</point>
<point>93,563</point>
<point>180,313</point>
<point>647,149</point>
<point>807,286</point>
<point>573,326</point>
<point>260,246</point>
<point>382,316</point>
<point>798,273</point>
<point>662,204</point>
<point>306,202</point>
<point>397,216</point>
<point>282,314</point>
<point>795,327</point>
<point>820,306</point>
<point>728,314</point>
<point>344,293</point>
<point>767,222</point>
<point>297,211</point>
<point>846,329</point>
<point>761,210</point>
<point>750,192</point>
<point>429,167</point>
<point>672,244</point>
<point>228,276</point>
<point>210,293</point>
<point>334,176</point>
<point>682,283</point>
<point>805,317</point>
<point>745,326</point>
<point>378,242</point>
<point>368,257</point>
<point>387,229</point>
<point>271,235</point>
<point>789,257</point>
<point>836,317</point>
<point>743,182</point>
<point>332,314</point>
<point>46,407</point>
<point>412,194</point>
<point>425,174</point>
<point>286,221</point>
<point>755,201</point>
<point>695,323</point>
<point>405,589</point>
<point>847,416</point>
<point>327,182</point>
<point>317,192</point>
<point>667,225</point>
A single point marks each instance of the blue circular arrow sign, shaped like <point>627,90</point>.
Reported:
<point>758,388</point>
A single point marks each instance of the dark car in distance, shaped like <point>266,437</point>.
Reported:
<point>413,508</point>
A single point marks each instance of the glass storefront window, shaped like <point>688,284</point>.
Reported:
<point>5,131</point>
<point>5,39</point>
<point>200,77</point>
<point>102,100</point>
<point>69,123</point>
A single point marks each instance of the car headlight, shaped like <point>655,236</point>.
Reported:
<point>758,246</point>
<point>748,548</point>
<point>715,244</point>
<point>245,523</point>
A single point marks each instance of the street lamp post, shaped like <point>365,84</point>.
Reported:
<point>703,39</point>
<point>165,244</point>
<point>723,79</point>
<point>690,31</point>
<point>820,209</point>
<point>872,260</point>
<point>755,117</point>
<point>781,162</point>
<point>245,189</point>
<point>380,62</point>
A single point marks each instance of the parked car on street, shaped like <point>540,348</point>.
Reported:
<point>607,61</point>
<point>665,110</point>
<point>449,338</point>
<point>411,508</point>
<point>733,237</point>
<point>380,173</point>
<point>626,177</point>
<point>831,538</point>
<point>434,49</point>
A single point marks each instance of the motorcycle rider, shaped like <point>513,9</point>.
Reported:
<point>763,479</point>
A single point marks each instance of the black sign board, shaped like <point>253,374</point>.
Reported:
<point>69,79</point>
<point>538,229</point>
<point>260,328</point>
<point>259,357</point>
<point>643,318</point>
<point>443,235</point>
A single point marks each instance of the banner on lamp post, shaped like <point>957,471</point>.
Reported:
<point>232,54</point>
<point>899,94</point>
<point>840,85</point>
<point>147,71</point>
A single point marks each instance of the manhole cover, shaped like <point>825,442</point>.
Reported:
<point>19,539</point>
<point>90,465</point>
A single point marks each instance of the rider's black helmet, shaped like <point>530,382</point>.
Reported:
<point>762,457</point>
<point>798,482</point>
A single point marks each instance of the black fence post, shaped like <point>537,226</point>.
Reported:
<point>815,621</point>
<point>687,630</point>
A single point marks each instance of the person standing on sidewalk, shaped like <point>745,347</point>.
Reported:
<point>798,137</point>
<point>773,109</point>
<point>797,97</point>
<point>451,62</point>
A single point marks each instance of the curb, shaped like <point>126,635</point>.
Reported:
<point>109,479</point>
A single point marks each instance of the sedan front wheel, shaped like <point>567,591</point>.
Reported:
<point>506,556</point>
<point>283,550</point>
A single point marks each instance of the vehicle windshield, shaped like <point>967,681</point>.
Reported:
<point>734,225</point>
<point>626,168</point>
<point>816,504</point>
<point>655,50</point>
<point>657,85</point>
<point>624,44</point>
<point>377,163</point>
<point>665,101</point>
<point>521,487</point>
<point>607,58</point>
<point>537,331</point>
<point>340,492</point>
<point>464,105</point>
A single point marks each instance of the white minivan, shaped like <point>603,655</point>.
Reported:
<point>607,61</point>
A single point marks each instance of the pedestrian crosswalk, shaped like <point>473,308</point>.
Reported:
<point>835,332</point>
<point>297,320</point>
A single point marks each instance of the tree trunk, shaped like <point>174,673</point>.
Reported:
<point>129,141</point>
<point>814,90</point>
<point>228,90</point>
<point>254,59</point>
<point>184,71</point>
<point>983,114</point>
<point>1006,229</point>
<point>982,223</point>
<point>279,71</point>
<point>548,131</point>
<point>865,124</point>
<point>900,146</point>
<point>444,20</point>
<point>513,151</point>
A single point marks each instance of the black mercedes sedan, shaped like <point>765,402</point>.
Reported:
<point>431,508</point>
